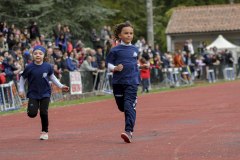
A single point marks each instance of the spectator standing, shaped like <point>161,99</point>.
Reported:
<point>94,38</point>
<point>186,47</point>
<point>56,53</point>
<point>49,57</point>
<point>165,60</point>
<point>104,35</point>
<point>87,65</point>
<point>27,58</point>
<point>146,55</point>
<point>99,55</point>
<point>67,32</point>
<point>229,59</point>
<point>107,47</point>
<point>157,65</point>
<point>71,66</point>
<point>57,30</point>
<point>34,30</point>
<point>3,43</point>
<point>61,42</point>
<point>2,74</point>
<point>10,69</point>
<point>238,68</point>
<point>157,50</point>
<point>178,59</point>
<point>69,46</point>
<point>81,57</point>
<point>79,46</point>
<point>145,74</point>
<point>190,47</point>
<point>11,41</point>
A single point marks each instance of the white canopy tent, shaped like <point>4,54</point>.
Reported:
<point>221,43</point>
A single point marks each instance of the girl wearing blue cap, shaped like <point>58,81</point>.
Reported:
<point>38,75</point>
<point>122,60</point>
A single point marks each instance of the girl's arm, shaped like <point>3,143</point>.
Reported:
<point>54,79</point>
<point>113,68</point>
<point>21,86</point>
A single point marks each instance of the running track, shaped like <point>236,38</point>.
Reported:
<point>199,123</point>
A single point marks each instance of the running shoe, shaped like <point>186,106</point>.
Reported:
<point>127,137</point>
<point>44,136</point>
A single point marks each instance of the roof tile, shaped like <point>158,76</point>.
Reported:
<point>204,19</point>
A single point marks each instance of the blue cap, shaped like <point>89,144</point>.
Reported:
<point>26,52</point>
<point>41,48</point>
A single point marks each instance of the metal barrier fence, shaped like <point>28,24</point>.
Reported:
<point>175,77</point>
<point>92,81</point>
<point>57,94</point>
<point>86,78</point>
<point>101,82</point>
<point>168,77</point>
<point>9,99</point>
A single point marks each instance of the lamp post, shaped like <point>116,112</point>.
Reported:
<point>150,35</point>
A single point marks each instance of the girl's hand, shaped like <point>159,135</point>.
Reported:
<point>118,68</point>
<point>65,88</point>
<point>21,94</point>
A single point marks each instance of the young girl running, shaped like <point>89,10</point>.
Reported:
<point>122,60</point>
<point>38,75</point>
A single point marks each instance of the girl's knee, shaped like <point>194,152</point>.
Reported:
<point>32,110</point>
<point>31,114</point>
<point>121,109</point>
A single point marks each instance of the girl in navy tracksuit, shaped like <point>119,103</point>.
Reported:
<point>38,75</point>
<point>122,60</point>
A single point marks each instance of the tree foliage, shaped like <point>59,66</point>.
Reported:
<point>133,11</point>
<point>82,16</point>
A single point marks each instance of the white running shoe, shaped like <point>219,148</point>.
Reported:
<point>127,137</point>
<point>44,136</point>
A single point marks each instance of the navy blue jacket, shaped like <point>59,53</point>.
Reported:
<point>38,80</point>
<point>127,56</point>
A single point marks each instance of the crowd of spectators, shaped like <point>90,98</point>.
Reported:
<point>188,60</point>
<point>16,46</point>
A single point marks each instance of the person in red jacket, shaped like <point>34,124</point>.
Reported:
<point>2,74</point>
<point>69,46</point>
<point>145,74</point>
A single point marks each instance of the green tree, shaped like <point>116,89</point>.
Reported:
<point>20,12</point>
<point>133,11</point>
<point>80,16</point>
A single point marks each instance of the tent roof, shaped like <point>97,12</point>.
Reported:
<point>222,43</point>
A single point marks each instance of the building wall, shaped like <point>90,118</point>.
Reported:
<point>176,41</point>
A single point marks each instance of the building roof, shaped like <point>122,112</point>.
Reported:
<point>208,18</point>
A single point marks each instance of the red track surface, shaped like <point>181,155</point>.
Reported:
<point>201,123</point>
